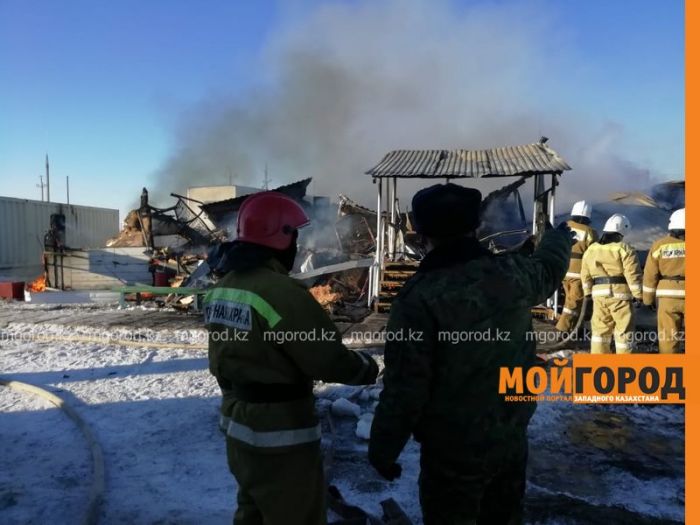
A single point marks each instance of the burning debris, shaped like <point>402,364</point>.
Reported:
<point>191,241</point>
<point>324,295</point>
<point>37,285</point>
<point>190,248</point>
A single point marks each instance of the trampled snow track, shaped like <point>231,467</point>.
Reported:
<point>98,482</point>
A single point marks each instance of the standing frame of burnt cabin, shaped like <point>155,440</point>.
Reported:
<point>537,161</point>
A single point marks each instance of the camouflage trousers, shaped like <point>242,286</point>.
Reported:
<point>471,493</point>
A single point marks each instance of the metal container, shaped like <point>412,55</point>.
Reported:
<point>24,222</point>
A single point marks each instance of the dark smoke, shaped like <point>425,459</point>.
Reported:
<point>342,85</point>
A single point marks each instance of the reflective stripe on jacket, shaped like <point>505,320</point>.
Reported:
<point>615,259</point>
<point>274,438</point>
<point>265,328</point>
<point>664,271</point>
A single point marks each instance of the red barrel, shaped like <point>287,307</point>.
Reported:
<point>162,278</point>
<point>12,290</point>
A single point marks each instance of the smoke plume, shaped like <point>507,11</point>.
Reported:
<point>340,86</point>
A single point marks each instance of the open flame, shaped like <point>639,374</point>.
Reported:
<point>37,285</point>
<point>324,294</point>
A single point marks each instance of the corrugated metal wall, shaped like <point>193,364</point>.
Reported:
<point>24,222</point>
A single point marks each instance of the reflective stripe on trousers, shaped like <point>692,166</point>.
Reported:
<point>275,438</point>
<point>223,423</point>
<point>607,293</point>
<point>678,294</point>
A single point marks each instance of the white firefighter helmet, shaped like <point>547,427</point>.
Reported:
<point>581,209</point>
<point>617,223</point>
<point>677,220</point>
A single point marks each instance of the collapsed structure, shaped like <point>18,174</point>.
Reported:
<point>352,257</point>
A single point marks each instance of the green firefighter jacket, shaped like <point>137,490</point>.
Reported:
<point>266,328</point>
<point>458,320</point>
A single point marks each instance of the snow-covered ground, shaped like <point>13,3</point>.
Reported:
<point>154,412</point>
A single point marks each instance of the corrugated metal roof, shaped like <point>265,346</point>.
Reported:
<point>530,159</point>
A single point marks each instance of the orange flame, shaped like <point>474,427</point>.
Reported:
<point>323,294</point>
<point>37,285</point>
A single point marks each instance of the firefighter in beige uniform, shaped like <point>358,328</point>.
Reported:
<point>664,283</point>
<point>611,274</point>
<point>269,339</point>
<point>573,291</point>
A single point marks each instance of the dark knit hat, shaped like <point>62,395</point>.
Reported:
<point>446,210</point>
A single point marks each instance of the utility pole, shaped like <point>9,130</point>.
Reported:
<point>67,190</point>
<point>266,180</point>
<point>41,185</point>
<point>48,182</point>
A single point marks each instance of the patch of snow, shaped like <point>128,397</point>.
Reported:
<point>45,465</point>
<point>344,408</point>
<point>155,410</point>
<point>364,425</point>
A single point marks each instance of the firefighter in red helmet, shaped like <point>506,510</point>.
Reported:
<point>269,340</point>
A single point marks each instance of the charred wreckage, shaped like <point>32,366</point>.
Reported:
<point>354,259</point>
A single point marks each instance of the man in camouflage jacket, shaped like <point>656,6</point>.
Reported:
<point>463,316</point>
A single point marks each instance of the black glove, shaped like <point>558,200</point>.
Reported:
<point>372,371</point>
<point>389,472</point>
<point>528,247</point>
<point>636,303</point>
<point>652,307</point>
<point>564,228</point>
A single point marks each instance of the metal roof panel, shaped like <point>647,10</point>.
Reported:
<point>529,159</point>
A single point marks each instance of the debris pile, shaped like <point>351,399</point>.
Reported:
<point>177,239</point>
<point>191,239</point>
<point>335,252</point>
<point>176,227</point>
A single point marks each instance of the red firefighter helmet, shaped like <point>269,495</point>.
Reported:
<point>270,219</point>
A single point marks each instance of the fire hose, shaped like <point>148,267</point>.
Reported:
<point>585,306</point>
<point>98,480</point>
